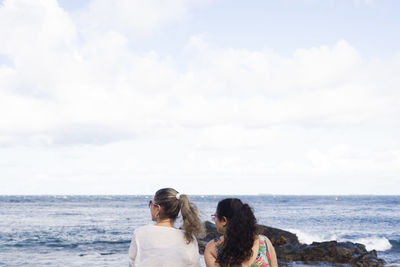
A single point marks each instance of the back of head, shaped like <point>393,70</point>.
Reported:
<point>240,232</point>
<point>172,202</point>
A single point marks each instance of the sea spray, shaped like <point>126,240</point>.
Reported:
<point>374,242</point>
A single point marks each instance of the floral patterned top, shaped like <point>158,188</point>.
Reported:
<point>263,258</point>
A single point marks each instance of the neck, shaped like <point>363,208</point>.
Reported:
<point>166,222</point>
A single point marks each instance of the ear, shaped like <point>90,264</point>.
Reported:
<point>157,210</point>
<point>224,221</point>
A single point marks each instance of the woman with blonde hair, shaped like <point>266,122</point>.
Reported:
<point>162,244</point>
<point>239,244</point>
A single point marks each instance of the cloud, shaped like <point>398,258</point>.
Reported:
<point>76,92</point>
<point>133,17</point>
<point>59,85</point>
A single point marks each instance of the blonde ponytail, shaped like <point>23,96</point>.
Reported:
<point>192,224</point>
<point>172,202</point>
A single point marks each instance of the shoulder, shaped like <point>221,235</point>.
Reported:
<point>266,242</point>
<point>218,241</point>
<point>210,246</point>
<point>263,239</point>
<point>143,229</point>
<point>210,253</point>
<point>214,245</point>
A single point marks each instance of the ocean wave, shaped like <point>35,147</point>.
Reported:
<point>377,243</point>
<point>125,241</point>
<point>308,238</point>
<point>60,243</point>
<point>373,242</point>
<point>97,243</point>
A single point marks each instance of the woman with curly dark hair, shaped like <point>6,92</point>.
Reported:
<point>240,245</point>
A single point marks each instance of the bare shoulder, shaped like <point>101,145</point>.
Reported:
<point>211,244</point>
<point>210,247</point>
<point>210,254</point>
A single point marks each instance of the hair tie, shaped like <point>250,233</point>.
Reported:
<point>178,196</point>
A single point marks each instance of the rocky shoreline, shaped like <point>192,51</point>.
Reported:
<point>289,249</point>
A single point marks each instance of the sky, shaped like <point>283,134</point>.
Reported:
<point>206,96</point>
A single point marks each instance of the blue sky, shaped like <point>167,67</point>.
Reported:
<point>270,97</point>
<point>282,26</point>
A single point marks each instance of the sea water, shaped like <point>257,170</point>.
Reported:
<point>96,230</point>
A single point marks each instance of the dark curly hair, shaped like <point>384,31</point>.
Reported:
<point>240,232</point>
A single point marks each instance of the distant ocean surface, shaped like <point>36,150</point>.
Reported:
<point>96,230</point>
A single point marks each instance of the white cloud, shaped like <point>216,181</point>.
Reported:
<point>96,107</point>
<point>31,28</point>
<point>133,16</point>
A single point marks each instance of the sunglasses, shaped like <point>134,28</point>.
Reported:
<point>152,203</point>
<point>213,217</point>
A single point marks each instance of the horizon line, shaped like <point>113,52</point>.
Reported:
<point>261,194</point>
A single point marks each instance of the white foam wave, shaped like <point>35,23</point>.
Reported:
<point>377,243</point>
<point>308,238</point>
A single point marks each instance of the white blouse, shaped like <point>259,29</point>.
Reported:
<point>153,245</point>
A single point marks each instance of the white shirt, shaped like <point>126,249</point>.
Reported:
<point>153,246</point>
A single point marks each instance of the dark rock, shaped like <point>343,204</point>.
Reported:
<point>211,233</point>
<point>278,237</point>
<point>368,259</point>
<point>289,249</point>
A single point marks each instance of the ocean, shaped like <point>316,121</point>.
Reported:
<point>96,230</point>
